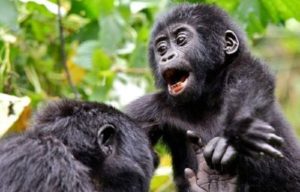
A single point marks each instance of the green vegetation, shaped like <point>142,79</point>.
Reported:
<point>106,52</point>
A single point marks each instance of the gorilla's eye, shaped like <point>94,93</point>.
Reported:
<point>162,48</point>
<point>181,39</point>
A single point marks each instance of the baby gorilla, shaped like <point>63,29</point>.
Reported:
<point>210,83</point>
<point>77,146</point>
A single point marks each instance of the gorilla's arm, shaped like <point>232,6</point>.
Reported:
<point>249,128</point>
<point>145,109</point>
<point>250,124</point>
<point>147,112</point>
<point>254,127</point>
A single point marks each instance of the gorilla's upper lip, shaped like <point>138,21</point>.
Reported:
<point>176,80</point>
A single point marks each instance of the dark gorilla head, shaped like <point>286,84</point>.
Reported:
<point>189,44</point>
<point>103,139</point>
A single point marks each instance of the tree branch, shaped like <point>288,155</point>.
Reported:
<point>63,53</point>
<point>131,70</point>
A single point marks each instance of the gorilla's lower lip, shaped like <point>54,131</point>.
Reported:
<point>177,88</point>
<point>176,80</point>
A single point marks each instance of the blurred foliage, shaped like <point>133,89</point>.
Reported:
<point>106,45</point>
<point>255,15</point>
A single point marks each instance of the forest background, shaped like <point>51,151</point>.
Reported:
<point>96,50</point>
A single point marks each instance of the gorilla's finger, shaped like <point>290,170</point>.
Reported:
<point>219,151</point>
<point>209,149</point>
<point>263,127</point>
<point>270,150</point>
<point>265,148</point>
<point>190,176</point>
<point>194,138</point>
<point>192,179</point>
<point>275,139</point>
<point>271,138</point>
<point>229,156</point>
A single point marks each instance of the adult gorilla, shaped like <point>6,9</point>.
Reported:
<point>77,146</point>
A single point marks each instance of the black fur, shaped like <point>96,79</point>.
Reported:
<point>61,152</point>
<point>229,93</point>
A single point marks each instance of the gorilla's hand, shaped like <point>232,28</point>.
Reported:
<point>254,138</point>
<point>219,155</point>
<point>207,179</point>
<point>192,179</point>
<point>189,173</point>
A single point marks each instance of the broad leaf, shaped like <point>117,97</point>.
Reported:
<point>84,54</point>
<point>8,14</point>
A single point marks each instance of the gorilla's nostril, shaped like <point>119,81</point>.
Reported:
<point>164,59</point>
<point>171,56</point>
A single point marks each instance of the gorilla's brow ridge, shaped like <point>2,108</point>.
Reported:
<point>160,38</point>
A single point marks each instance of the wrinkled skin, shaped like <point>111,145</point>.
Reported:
<point>208,179</point>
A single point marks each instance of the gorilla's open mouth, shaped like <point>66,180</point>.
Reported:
<point>176,80</point>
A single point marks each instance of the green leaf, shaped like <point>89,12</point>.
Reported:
<point>111,30</point>
<point>139,57</point>
<point>101,61</point>
<point>83,58</point>
<point>8,14</point>
<point>124,9</point>
<point>161,182</point>
<point>87,32</point>
<point>253,15</point>
<point>225,4</point>
<point>280,10</point>
<point>99,84</point>
<point>92,8</point>
<point>86,8</point>
<point>106,7</point>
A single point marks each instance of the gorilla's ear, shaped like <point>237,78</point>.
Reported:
<point>107,139</point>
<point>231,42</point>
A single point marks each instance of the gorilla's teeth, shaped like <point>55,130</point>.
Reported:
<point>177,87</point>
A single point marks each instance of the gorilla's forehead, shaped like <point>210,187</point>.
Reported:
<point>162,27</point>
<point>165,31</point>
